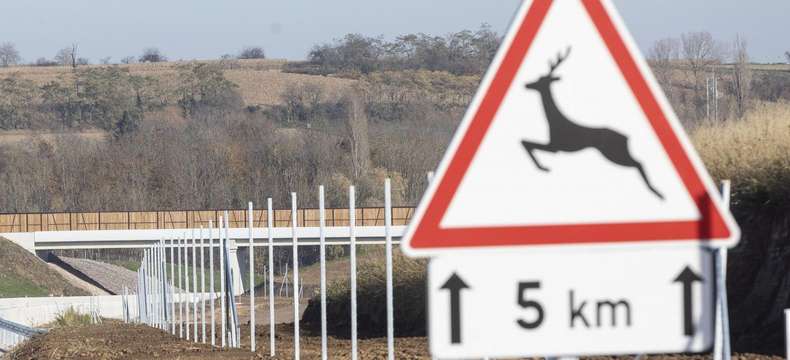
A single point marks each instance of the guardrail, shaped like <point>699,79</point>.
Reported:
<point>12,334</point>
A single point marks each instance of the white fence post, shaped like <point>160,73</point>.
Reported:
<point>194,289</point>
<point>202,287</point>
<point>180,288</point>
<point>322,260</point>
<point>252,278</point>
<point>163,284</point>
<point>222,282</point>
<point>149,281</point>
<point>147,277</point>
<point>388,244</point>
<point>155,286</point>
<point>159,293</point>
<point>211,279</point>
<point>295,240</point>
<point>149,273</point>
<point>270,224</point>
<point>172,287</point>
<point>144,290</point>
<point>139,298</point>
<point>187,290</point>
<point>139,293</point>
<point>352,219</point>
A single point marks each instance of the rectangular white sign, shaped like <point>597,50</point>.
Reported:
<point>571,302</point>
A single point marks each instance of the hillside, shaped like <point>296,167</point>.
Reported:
<point>22,274</point>
<point>261,82</point>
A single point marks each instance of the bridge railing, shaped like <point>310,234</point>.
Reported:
<point>142,220</point>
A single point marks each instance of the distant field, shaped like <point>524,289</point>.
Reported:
<point>260,82</point>
<point>18,137</point>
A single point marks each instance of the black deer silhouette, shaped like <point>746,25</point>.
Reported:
<point>567,136</point>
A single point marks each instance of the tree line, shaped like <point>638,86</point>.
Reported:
<point>110,98</point>
<point>465,52</point>
<point>69,56</point>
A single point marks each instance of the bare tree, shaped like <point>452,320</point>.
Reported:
<point>67,56</point>
<point>357,128</point>
<point>741,75</point>
<point>700,51</point>
<point>787,55</point>
<point>152,55</point>
<point>661,56</point>
<point>129,60</point>
<point>8,55</point>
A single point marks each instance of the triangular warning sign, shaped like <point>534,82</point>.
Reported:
<point>568,140</point>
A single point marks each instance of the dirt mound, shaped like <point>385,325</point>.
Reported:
<point>122,341</point>
<point>23,274</point>
<point>115,341</point>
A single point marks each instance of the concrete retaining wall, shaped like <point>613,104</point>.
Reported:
<point>37,311</point>
<point>42,310</point>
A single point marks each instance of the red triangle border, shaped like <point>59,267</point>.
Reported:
<point>430,235</point>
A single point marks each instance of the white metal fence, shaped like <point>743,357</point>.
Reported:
<point>172,300</point>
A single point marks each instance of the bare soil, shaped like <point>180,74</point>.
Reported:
<point>121,341</point>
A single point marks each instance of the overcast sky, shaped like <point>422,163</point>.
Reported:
<point>202,29</point>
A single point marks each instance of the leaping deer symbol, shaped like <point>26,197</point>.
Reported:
<point>567,136</point>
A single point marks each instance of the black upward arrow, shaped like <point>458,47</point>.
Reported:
<point>454,284</point>
<point>687,277</point>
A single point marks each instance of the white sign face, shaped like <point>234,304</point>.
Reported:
<point>569,140</point>
<point>566,303</point>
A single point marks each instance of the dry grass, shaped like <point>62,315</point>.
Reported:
<point>266,87</point>
<point>71,317</point>
<point>754,152</point>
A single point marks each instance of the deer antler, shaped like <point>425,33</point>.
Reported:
<point>560,58</point>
